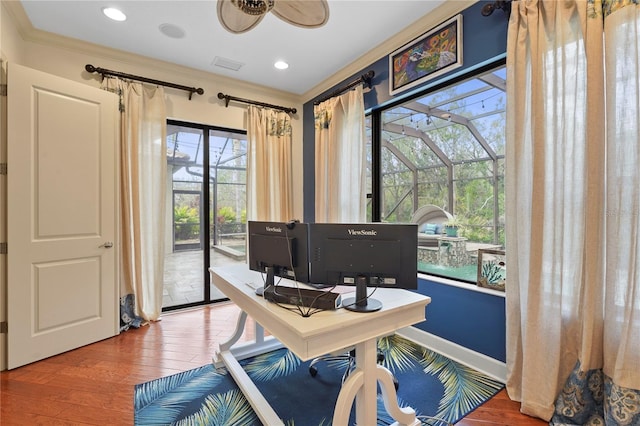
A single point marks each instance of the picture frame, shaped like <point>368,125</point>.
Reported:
<point>492,272</point>
<point>434,53</point>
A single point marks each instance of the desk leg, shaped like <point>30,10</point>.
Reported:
<point>362,386</point>
<point>237,333</point>
<point>258,402</point>
<point>258,346</point>
<point>228,357</point>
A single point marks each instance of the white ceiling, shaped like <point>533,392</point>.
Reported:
<point>354,28</point>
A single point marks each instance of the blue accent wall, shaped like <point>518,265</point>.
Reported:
<point>471,319</point>
<point>484,41</point>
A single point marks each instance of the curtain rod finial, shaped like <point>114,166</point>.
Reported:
<point>367,77</point>
<point>226,98</point>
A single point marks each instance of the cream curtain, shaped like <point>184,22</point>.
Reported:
<point>143,168</point>
<point>573,224</point>
<point>340,159</point>
<point>269,165</point>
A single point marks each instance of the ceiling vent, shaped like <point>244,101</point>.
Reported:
<point>227,63</point>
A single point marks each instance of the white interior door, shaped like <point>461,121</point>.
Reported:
<point>61,215</point>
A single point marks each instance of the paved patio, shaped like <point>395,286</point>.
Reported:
<point>184,276</point>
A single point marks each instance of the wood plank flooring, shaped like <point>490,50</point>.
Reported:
<point>93,385</point>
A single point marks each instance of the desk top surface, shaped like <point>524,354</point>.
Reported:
<point>324,331</point>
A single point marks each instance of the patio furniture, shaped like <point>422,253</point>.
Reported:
<point>430,220</point>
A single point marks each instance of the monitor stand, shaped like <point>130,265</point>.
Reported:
<point>362,303</point>
<point>269,281</point>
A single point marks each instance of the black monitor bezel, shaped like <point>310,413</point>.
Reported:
<point>405,238</point>
<point>295,232</point>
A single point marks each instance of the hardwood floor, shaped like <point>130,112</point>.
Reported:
<point>94,385</point>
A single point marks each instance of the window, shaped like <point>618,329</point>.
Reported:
<point>444,149</point>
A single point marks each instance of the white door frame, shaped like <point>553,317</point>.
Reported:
<point>3,216</point>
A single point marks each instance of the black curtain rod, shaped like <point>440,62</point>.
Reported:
<point>364,78</point>
<point>91,69</point>
<point>489,8</point>
<point>228,98</point>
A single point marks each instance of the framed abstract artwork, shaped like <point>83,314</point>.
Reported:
<point>430,55</point>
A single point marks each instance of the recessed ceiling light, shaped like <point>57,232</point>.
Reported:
<point>172,31</point>
<point>113,13</point>
<point>281,65</point>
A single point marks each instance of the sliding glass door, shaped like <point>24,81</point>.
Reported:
<point>206,223</point>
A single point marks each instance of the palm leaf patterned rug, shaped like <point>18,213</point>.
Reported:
<point>434,385</point>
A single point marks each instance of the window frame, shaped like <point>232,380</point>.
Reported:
<point>375,115</point>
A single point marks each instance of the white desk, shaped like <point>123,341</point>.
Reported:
<point>324,332</point>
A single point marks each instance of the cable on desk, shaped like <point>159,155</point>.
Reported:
<point>307,311</point>
<point>302,310</point>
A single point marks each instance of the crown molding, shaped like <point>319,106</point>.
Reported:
<point>428,21</point>
<point>33,35</point>
<point>15,10</point>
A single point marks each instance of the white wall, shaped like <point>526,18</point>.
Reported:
<point>21,44</point>
<point>206,109</point>
<point>67,58</point>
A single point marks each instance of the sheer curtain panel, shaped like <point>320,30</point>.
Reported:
<point>269,165</point>
<point>143,169</point>
<point>340,162</point>
<point>573,194</point>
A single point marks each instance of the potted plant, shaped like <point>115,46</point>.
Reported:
<point>451,226</point>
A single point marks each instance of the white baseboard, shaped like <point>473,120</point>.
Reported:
<point>483,363</point>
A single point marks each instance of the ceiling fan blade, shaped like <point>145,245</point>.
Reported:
<point>303,13</point>
<point>234,20</point>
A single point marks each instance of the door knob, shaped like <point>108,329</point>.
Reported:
<point>108,244</point>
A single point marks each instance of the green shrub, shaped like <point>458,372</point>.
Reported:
<point>185,214</point>
<point>226,214</point>
<point>186,222</point>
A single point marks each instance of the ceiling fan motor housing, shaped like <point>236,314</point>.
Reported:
<point>254,7</point>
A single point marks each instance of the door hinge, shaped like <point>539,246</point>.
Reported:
<point>3,248</point>
<point>4,327</point>
<point>3,168</point>
<point>3,90</point>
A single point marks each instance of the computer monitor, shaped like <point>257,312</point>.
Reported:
<point>365,255</point>
<point>279,249</point>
